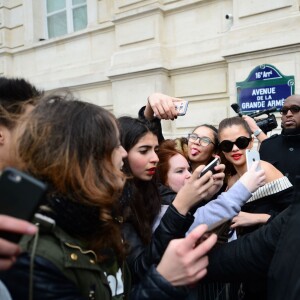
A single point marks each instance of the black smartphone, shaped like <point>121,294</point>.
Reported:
<point>210,166</point>
<point>20,196</point>
<point>217,228</point>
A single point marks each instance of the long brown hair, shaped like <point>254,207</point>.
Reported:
<point>68,143</point>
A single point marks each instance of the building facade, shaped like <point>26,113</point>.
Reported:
<point>121,51</point>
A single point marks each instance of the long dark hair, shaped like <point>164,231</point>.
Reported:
<point>140,200</point>
<point>68,143</point>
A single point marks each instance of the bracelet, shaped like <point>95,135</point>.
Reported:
<point>257,132</point>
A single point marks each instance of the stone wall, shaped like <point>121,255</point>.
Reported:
<point>193,49</point>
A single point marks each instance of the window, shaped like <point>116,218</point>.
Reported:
<point>65,16</point>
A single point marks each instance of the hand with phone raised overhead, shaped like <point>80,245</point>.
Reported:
<point>164,107</point>
<point>253,178</point>
<point>8,250</point>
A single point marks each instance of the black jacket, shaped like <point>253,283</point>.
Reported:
<point>270,252</point>
<point>173,225</point>
<point>283,151</point>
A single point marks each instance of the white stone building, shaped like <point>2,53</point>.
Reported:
<point>117,52</point>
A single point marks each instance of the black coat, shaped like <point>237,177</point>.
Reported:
<point>140,258</point>
<point>272,252</point>
<point>283,151</point>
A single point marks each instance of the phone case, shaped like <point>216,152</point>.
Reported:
<point>20,196</point>
<point>181,107</point>
<point>210,167</point>
<point>251,157</point>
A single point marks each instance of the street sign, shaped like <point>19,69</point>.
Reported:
<point>265,88</point>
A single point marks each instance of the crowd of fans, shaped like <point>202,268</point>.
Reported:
<point>127,214</point>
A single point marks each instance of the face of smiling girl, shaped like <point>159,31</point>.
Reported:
<point>236,156</point>
<point>142,157</point>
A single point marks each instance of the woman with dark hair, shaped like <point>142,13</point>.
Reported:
<point>202,145</point>
<point>141,201</point>
<point>235,136</point>
<point>78,252</point>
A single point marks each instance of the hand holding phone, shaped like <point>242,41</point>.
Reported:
<point>20,195</point>
<point>210,167</point>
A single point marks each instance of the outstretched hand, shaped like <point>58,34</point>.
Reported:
<point>162,106</point>
<point>184,261</point>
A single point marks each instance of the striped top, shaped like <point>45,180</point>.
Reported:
<point>271,188</point>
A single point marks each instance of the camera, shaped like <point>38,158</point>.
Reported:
<point>228,16</point>
<point>265,124</point>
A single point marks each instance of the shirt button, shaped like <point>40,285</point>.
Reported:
<point>291,149</point>
<point>74,256</point>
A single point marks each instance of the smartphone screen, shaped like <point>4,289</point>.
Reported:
<point>20,195</point>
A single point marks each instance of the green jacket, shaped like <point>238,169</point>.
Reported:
<point>69,254</point>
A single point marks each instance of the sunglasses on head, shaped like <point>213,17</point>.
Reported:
<point>242,143</point>
<point>294,109</point>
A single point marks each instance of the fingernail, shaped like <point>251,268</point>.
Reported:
<point>31,229</point>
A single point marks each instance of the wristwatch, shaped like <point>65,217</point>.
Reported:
<point>257,132</point>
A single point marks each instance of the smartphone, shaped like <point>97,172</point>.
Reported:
<point>218,228</point>
<point>215,227</point>
<point>20,196</point>
<point>210,167</point>
<point>251,157</point>
<point>181,107</point>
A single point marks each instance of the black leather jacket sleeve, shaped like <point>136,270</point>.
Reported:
<point>49,281</point>
<point>248,257</point>
<point>154,287</point>
<point>172,225</point>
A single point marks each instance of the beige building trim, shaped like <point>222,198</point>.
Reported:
<point>193,49</point>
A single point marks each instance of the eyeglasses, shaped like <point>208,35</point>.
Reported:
<point>294,109</point>
<point>203,141</point>
<point>242,142</point>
